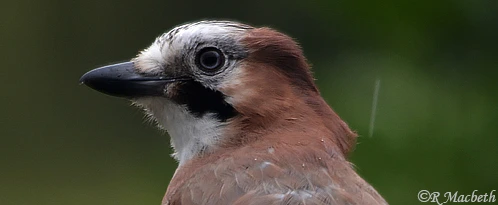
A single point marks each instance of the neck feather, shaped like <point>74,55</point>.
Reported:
<point>191,135</point>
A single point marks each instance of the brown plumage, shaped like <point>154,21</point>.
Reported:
<point>264,135</point>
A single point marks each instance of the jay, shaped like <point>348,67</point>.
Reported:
<point>246,120</point>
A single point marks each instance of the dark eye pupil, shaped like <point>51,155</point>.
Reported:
<point>210,59</point>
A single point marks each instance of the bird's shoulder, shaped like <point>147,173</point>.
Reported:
<point>265,175</point>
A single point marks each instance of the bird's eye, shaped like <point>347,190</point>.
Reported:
<point>210,59</point>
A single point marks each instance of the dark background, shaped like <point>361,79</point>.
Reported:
<point>435,128</point>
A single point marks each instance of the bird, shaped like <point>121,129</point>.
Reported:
<point>246,120</point>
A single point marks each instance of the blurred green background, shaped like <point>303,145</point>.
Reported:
<point>435,128</point>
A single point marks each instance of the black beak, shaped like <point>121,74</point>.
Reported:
<point>122,80</point>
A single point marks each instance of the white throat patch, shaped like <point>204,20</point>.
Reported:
<point>190,135</point>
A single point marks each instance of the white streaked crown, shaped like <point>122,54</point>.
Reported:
<point>184,38</point>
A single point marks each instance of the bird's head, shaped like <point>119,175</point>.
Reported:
<point>220,84</point>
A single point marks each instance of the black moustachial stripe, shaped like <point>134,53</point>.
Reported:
<point>201,100</point>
